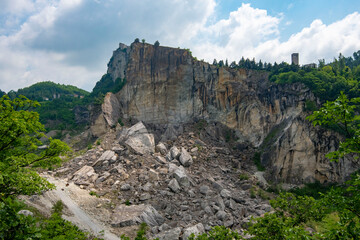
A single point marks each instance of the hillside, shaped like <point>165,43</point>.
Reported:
<point>44,91</point>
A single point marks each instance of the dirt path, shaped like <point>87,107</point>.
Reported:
<point>77,203</point>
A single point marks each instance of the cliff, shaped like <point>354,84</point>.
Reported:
<point>166,86</point>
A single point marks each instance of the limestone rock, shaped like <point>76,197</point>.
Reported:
<point>161,148</point>
<point>161,159</point>
<point>185,158</point>
<point>174,185</point>
<point>98,128</point>
<point>26,213</point>
<point>196,230</point>
<point>172,234</point>
<point>138,139</point>
<point>84,175</point>
<point>181,176</point>
<point>175,153</point>
<point>135,214</point>
<point>111,109</point>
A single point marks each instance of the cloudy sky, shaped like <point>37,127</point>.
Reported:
<point>71,41</point>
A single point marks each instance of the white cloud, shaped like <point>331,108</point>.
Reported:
<point>237,36</point>
<point>252,33</point>
<point>70,41</point>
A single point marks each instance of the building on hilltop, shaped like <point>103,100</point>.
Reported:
<point>310,65</point>
<point>295,58</point>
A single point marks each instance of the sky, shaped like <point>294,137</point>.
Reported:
<point>71,41</point>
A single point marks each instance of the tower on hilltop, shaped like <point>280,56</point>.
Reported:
<point>295,58</point>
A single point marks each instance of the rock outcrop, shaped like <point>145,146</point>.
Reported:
<point>168,87</point>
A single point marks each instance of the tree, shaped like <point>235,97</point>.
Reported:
<point>341,113</point>
<point>20,131</point>
<point>143,40</point>
<point>215,63</point>
<point>156,44</point>
<point>137,40</point>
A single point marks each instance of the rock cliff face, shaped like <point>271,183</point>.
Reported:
<point>167,86</point>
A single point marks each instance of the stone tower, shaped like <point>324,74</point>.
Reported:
<point>295,58</point>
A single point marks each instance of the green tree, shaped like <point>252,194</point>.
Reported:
<point>20,131</point>
<point>341,113</point>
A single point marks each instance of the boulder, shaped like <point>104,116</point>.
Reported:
<point>172,234</point>
<point>153,175</point>
<point>175,153</point>
<point>196,230</point>
<point>181,176</point>
<point>135,214</point>
<point>185,158</point>
<point>106,156</point>
<point>138,140</point>
<point>26,213</point>
<point>160,159</point>
<point>84,175</point>
<point>141,144</point>
<point>161,148</point>
<point>174,185</point>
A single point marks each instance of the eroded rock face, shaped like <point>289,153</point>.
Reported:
<point>166,86</point>
<point>111,109</point>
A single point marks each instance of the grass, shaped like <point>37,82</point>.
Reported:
<point>92,193</point>
<point>243,176</point>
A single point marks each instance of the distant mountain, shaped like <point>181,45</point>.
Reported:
<point>44,91</point>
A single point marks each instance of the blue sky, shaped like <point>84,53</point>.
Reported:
<point>71,41</point>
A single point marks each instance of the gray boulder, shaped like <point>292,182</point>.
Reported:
<point>135,214</point>
<point>174,185</point>
<point>161,148</point>
<point>181,176</point>
<point>175,153</point>
<point>84,176</point>
<point>25,213</point>
<point>185,158</point>
<point>172,234</point>
<point>138,140</point>
<point>196,229</point>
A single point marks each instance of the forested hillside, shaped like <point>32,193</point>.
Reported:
<point>43,91</point>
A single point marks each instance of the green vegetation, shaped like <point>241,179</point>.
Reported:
<point>20,131</point>
<point>243,176</point>
<point>49,90</point>
<point>107,84</point>
<point>314,190</point>
<point>343,74</point>
<point>217,233</point>
<point>257,161</point>
<point>59,102</point>
<point>310,106</point>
